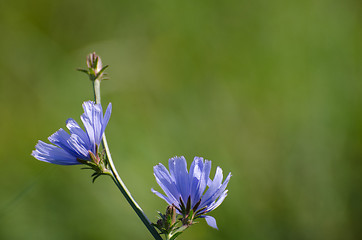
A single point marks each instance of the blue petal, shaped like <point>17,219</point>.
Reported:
<point>214,186</point>
<point>211,221</point>
<point>218,202</point>
<point>209,181</point>
<point>70,143</point>
<point>79,147</point>
<point>201,183</point>
<point>215,193</point>
<point>195,169</point>
<point>162,196</point>
<point>107,116</point>
<point>49,153</point>
<point>60,138</point>
<point>165,181</point>
<point>97,123</point>
<point>204,178</point>
<point>91,122</point>
<point>194,178</point>
<point>74,128</point>
<point>178,170</point>
<point>94,122</point>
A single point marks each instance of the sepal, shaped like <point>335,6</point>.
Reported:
<point>97,165</point>
<point>168,224</point>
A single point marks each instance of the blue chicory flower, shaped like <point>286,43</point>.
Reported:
<point>186,189</point>
<point>79,144</point>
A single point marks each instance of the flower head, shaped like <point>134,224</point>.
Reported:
<point>78,146</point>
<point>186,190</point>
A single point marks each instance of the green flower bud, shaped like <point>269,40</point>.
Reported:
<point>95,67</point>
<point>94,62</point>
<point>171,215</point>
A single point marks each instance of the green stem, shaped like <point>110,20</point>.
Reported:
<point>97,90</point>
<point>117,179</point>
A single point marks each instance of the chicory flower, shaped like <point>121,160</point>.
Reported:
<point>186,190</point>
<point>79,146</point>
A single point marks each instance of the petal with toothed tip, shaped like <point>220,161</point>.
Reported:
<point>165,181</point>
<point>49,153</point>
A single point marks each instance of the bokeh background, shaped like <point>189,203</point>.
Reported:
<point>268,90</point>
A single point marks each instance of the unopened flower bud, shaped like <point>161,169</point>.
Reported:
<point>95,67</point>
<point>171,214</point>
<point>94,62</point>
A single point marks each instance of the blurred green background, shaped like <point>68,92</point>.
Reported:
<point>268,90</point>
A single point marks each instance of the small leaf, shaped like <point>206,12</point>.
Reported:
<point>82,70</point>
<point>175,235</point>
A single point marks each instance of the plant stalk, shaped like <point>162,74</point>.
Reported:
<point>117,179</point>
